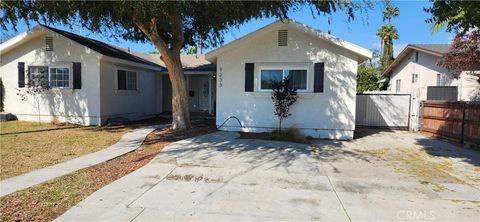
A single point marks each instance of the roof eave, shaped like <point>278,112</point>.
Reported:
<point>409,48</point>
<point>363,53</point>
<point>20,39</point>
<point>132,63</point>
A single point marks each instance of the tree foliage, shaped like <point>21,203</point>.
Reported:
<point>283,96</point>
<point>464,54</point>
<point>387,34</point>
<point>368,79</point>
<point>122,18</point>
<point>390,12</point>
<point>169,25</point>
<point>192,50</point>
<point>458,16</point>
<point>463,18</point>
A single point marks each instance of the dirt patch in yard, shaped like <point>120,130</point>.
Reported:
<point>430,172</point>
<point>49,200</point>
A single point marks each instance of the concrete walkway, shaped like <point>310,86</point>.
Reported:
<point>217,177</point>
<point>129,142</point>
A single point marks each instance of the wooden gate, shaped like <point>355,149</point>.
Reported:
<point>459,121</point>
<point>383,110</point>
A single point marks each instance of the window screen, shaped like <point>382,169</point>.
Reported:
<point>126,80</point>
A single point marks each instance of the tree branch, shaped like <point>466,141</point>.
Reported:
<point>152,33</point>
<point>177,32</point>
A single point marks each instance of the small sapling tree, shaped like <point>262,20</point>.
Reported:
<point>36,86</point>
<point>283,96</point>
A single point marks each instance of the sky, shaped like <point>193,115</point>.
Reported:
<point>411,25</point>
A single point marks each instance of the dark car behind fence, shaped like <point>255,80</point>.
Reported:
<point>459,121</point>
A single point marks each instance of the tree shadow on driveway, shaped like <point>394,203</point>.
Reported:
<point>440,148</point>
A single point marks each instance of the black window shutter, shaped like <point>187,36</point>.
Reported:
<point>77,75</point>
<point>21,74</point>
<point>319,71</point>
<point>122,79</point>
<point>249,77</point>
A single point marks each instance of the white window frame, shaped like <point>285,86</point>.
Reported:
<point>121,68</point>
<point>283,68</point>
<point>414,78</point>
<point>441,79</point>
<point>49,66</point>
<point>398,85</point>
<point>69,76</point>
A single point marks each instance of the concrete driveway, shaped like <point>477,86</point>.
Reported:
<point>220,177</point>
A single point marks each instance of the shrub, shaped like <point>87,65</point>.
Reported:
<point>290,134</point>
<point>283,96</point>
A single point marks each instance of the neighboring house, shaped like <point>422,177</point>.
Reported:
<point>91,81</point>
<point>415,71</point>
<point>322,67</point>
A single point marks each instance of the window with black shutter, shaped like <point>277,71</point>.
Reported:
<point>21,74</point>
<point>318,79</point>
<point>249,69</point>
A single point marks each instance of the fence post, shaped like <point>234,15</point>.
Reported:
<point>463,122</point>
<point>420,116</point>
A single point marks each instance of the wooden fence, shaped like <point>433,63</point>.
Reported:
<point>459,121</point>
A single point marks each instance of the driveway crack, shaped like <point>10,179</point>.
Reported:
<point>143,209</point>
<point>155,184</point>
<point>336,194</point>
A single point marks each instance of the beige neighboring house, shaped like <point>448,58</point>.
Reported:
<point>415,71</point>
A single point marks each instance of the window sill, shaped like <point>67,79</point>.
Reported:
<point>53,91</point>
<point>301,95</point>
<point>126,92</point>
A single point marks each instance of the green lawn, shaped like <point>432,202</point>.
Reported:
<point>26,146</point>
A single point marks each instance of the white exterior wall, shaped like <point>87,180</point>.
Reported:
<point>145,102</point>
<point>427,70</point>
<point>79,106</point>
<point>330,114</point>
<point>468,86</point>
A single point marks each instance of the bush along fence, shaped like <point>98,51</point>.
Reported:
<point>459,121</point>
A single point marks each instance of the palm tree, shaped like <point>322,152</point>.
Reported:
<point>387,34</point>
<point>390,12</point>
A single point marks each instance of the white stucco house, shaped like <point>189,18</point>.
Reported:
<point>93,81</point>
<point>322,67</point>
<point>415,71</point>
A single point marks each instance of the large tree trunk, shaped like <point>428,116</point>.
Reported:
<point>171,56</point>
<point>180,109</point>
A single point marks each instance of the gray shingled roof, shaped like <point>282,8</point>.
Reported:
<point>102,48</point>
<point>434,49</point>
<point>189,62</point>
<point>439,48</point>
